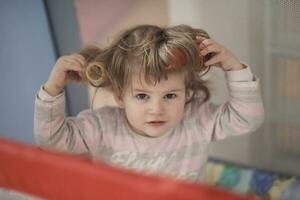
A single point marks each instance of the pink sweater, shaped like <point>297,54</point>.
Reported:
<point>105,135</point>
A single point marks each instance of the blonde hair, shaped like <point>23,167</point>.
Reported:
<point>152,51</point>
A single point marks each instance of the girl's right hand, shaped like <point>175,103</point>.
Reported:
<point>67,68</point>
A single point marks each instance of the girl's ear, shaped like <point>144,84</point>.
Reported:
<point>119,99</point>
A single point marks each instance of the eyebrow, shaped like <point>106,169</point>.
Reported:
<point>174,90</point>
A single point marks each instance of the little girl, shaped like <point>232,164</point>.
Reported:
<point>164,122</point>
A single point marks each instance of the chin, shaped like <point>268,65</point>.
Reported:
<point>156,134</point>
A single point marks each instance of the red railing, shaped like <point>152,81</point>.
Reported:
<point>53,175</point>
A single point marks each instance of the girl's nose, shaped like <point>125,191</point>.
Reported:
<point>156,107</point>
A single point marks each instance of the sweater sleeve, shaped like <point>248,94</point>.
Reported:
<point>77,135</point>
<point>242,113</point>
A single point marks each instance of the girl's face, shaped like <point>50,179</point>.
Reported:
<point>154,109</point>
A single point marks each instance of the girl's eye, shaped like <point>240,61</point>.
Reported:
<point>141,96</point>
<point>170,96</point>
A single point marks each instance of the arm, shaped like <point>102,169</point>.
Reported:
<point>78,135</point>
<point>52,130</point>
<point>243,112</point>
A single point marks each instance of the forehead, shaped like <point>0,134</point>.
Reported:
<point>173,81</point>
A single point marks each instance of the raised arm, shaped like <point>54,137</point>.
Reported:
<point>244,111</point>
<point>52,130</point>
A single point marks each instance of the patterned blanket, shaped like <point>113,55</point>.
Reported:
<point>246,180</point>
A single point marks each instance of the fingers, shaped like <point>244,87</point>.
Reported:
<point>79,58</point>
<point>212,48</point>
<point>73,62</point>
<point>209,46</point>
<point>199,39</point>
<point>202,41</point>
<point>215,60</point>
<point>71,67</point>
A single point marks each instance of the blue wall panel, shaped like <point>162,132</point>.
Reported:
<point>26,58</point>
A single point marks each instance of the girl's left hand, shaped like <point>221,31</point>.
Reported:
<point>221,56</point>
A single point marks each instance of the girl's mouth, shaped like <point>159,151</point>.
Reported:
<point>156,123</point>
